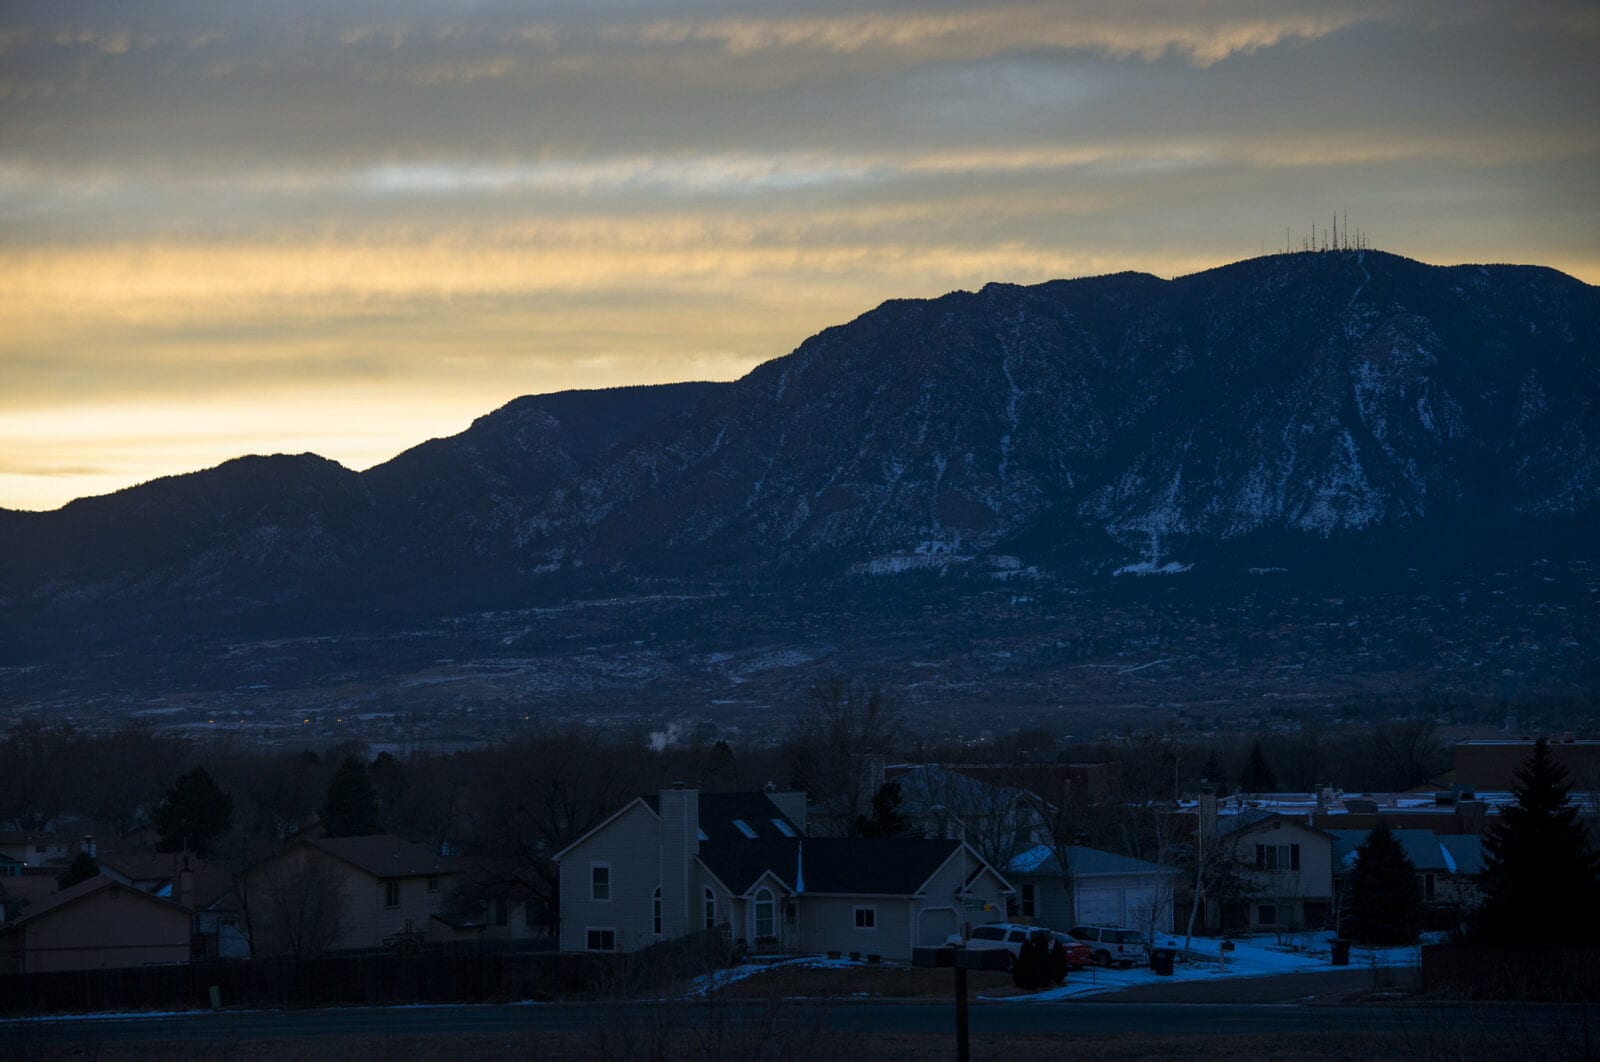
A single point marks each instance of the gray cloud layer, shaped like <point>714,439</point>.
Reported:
<point>207,200</point>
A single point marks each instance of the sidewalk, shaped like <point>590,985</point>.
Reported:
<point>1333,985</point>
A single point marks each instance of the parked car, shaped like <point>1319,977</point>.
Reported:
<point>1010,936</point>
<point>1112,944</point>
<point>1079,954</point>
<point>1004,935</point>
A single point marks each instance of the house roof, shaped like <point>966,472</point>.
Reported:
<point>891,866</point>
<point>384,855</point>
<point>1429,852</point>
<point>80,891</point>
<point>1259,818</point>
<point>719,811</point>
<point>1083,861</point>
<point>158,871</point>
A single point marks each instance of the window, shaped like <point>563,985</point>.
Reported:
<point>981,933</point>
<point>711,908</point>
<point>867,918</point>
<point>1028,900</point>
<point>1428,887</point>
<point>765,926</point>
<point>599,881</point>
<point>1016,936</point>
<point>655,906</point>
<point>744,828</point>
<point>1278,857</point>
<point>1267,915</point>
<point>433,885</point>
<point>783,828</point>
<point>391,894</point>
<point>502,912</point>
<point>602,940</point>
<point>527,915</point>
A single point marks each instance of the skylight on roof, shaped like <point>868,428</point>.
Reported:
<point>744,828</point>
<point>783,827</point>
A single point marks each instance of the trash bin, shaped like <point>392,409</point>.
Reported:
<point>1161,961</point>
<point>1341,952</point>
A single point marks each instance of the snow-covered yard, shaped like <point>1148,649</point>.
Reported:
<point>1254,957</point>
<point>1257,957</point>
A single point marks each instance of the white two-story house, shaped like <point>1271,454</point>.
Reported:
<point>682,861</point>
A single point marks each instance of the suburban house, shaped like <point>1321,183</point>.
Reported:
<point>1447,865</point>
<point>343,893</point>
<point>684,861</point>
<point>25,849</point>
<point>96,924</point>
<point>1107,890</point>
<point>1282,872</point>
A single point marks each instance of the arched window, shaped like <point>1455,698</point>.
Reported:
<point>656,905</point>
<point>765,927</point>
<point>711,908</point>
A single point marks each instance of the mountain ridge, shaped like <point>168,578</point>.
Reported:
<point>1316,406</point>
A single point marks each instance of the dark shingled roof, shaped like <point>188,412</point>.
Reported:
<point>384,855</point>
<point>718,810</point>
<point>879,867</point>
<point>895,866</point>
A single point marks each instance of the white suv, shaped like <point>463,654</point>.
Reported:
<point>1112,944</point>
<point>1003,935</point>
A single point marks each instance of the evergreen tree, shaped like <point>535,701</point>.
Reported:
<point>1058,961</point>
<point>1541,879</point>
<point>350,808</point>
<point>192,814</point>
<point>1385,900</point>
<point>1032,967</point>
<point>886,820</point>
<point>1257,776</point>
<point>82,868</point>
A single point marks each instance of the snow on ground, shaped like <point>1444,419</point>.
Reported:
<point>1255,957</point>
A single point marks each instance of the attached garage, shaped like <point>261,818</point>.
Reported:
<point>1109,890</point>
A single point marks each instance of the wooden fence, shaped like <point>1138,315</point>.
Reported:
<point>429,977</point>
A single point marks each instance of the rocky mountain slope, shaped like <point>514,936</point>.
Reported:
<point>1314,410</point>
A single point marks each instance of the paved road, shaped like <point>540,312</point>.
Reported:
<point>1332,985</point>
<point>1083,1018</point>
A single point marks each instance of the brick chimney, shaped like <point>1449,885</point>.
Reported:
<point>680,843</point>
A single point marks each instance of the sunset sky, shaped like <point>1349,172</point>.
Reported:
<point>231,227</point>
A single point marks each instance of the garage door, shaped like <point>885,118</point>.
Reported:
<point>1100,907</point>
<point>934,925</point>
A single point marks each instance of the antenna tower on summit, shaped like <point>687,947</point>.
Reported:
<point>1336,236</point>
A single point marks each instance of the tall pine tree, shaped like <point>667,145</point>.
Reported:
<point>1541,879</point>
<point>1257,776</point>
<point>1385,900</point>
<point>351,806</point>
<point>192,814</point>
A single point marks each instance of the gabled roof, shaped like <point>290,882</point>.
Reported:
<point>857,866</point>
<point>83,890</point>
<point>385,855</point>
<point>1260,818</point>
<point>607,821</point>
<point>1429,852</point>
<point>1084,862</point>
<point>719,811</point>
